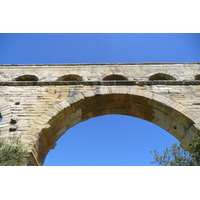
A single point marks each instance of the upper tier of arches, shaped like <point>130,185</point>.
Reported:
<point>111,77</point>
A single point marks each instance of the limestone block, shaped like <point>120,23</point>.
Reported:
<point>197,121</point>
<point>119,90</point>
<point>60,132</point>
<point>13,127</point>
<point>72,100</point>
<point>187,139</point>
<point>133,90</point>
<point>64,104</point>
<point>58,107</point>
<point>3,126</point>
<point>179,106</point>
<point>165,124</point>
<point>190,114</point>
<point>103,90</point>
<point>192,131</point>
<point>75,115</point>
<point>89,93</point>
<point>52,112</point>
<point>80,96</point>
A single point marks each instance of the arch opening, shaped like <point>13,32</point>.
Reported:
<point>146,108</point>
<point>197,77</point>
<point>115,77</point>
<point>161,76</point>
<point>70,77</point>
<point>109,140</point>
<point>27,78</point>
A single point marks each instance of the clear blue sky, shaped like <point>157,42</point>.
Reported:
<point>112,139</point>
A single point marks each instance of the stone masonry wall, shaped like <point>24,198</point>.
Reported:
<point>41,111</point>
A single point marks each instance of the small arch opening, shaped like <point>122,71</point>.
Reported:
<point>197,77</point>
<point>27,78</point>
<point>115,77</point>
<point>70,77</point>
<point>161,76</point>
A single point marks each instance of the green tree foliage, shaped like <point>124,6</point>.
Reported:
<point>177,155</point>
<point>12,152</point>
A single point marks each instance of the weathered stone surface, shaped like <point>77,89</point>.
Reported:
<point>41,111</point>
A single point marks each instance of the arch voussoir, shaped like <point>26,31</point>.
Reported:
<point>103,90</point>
<point>64,104</point>
<point>119,90</point>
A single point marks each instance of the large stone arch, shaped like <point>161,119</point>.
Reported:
<point>172,116</point>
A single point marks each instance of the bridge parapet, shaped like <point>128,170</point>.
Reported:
<point>97,72</point>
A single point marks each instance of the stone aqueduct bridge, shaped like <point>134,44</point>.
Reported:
<point>41,102</point>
